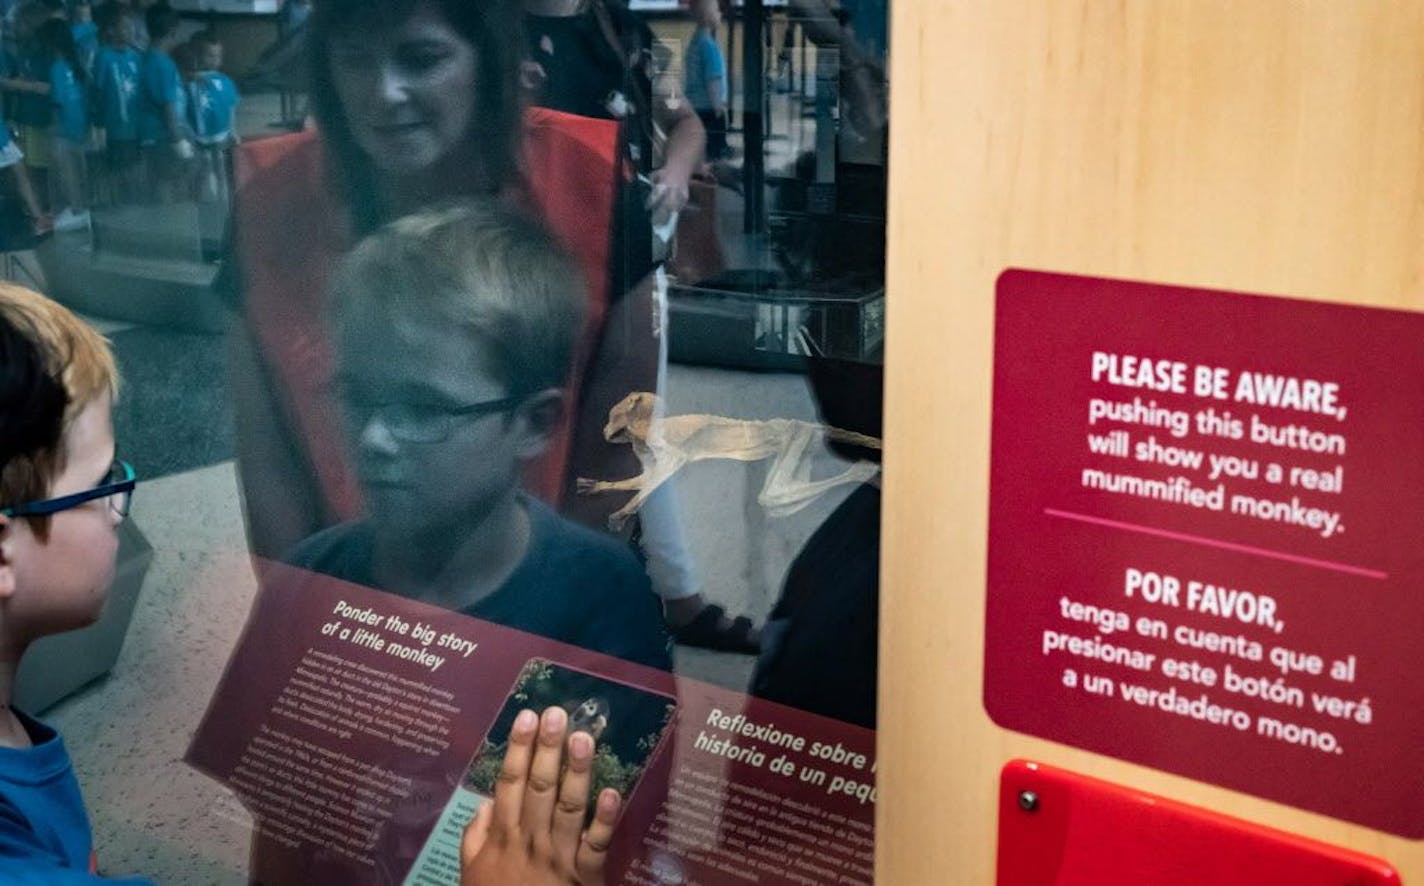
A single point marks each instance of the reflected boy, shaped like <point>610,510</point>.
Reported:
<point>455,331</point>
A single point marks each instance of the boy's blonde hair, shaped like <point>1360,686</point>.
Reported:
<point>75,359</point>
<point>482,268</point>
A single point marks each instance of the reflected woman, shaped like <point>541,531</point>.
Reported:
<point>415,101</point>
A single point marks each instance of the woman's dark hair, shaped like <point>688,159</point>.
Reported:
<point>161,20</point>
<point>56,36</point>
<point>185,57</point>
<point>490,26</point>
<point>108,16</point>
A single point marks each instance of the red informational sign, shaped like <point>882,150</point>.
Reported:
<point>1206,538</point>
<point>1067,829</point>
<point>362,730</point>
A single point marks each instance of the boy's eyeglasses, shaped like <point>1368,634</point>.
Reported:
<point>423,423</point>
<point>117,488</point>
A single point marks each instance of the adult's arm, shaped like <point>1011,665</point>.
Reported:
<point>714,94</point>
<point>821,20</point>
<point>15,84</point>
<point>170,93</point>
<point>171,122</point>
<point>686,147</point>
<point>862,72</point>
<point>234,137</point>
<point>281,504</point>
<point>625,360</point>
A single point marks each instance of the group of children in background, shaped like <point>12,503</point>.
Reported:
<point>115,82</point>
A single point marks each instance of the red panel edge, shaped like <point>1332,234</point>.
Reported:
<point>1054,790</point>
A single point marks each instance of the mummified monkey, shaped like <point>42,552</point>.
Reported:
<point>663,444</point>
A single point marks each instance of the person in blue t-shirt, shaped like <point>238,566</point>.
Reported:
<point>69,127</point>
<point>162,138</point>
<point>27,77</point>
<point>86,33</point>
<point>212,114</point>
<point>705,76</point>
<point>116,67</point>
<point>212,96</point>
<point>12,159</point>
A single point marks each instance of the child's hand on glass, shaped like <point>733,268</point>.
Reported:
<point>533,833</point>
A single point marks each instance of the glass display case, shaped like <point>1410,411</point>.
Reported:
<point>702,461</point>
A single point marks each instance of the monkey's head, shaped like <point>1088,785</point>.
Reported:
<point>630,419</point>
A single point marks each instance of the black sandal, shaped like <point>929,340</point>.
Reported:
<point>707,632</point>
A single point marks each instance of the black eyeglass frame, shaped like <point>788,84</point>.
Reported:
<point>448,417</point>
<point>48,506</point>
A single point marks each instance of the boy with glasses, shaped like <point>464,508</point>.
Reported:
<point>62,494</point>
<point>455,331</point>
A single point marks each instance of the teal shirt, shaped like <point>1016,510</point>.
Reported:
<point>116,92</point>
<point>159,86</point>
<point>703,63</point>
<point>71,111</point>
<point>44,830</point>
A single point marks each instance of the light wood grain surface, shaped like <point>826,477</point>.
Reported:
<point>1256,145</point>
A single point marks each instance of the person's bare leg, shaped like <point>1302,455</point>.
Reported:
<point>26,189</point>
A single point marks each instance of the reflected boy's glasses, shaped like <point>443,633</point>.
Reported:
<point>117,487</point>
<point>422,423</point>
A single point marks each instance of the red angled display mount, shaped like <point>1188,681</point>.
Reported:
<point>1058,828</point>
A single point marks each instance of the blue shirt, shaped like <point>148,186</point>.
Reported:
<point>32,109</point>
<point>159,86</point>
<point>871,22</point>
<point>702,64</point>
<point>116,91</point>
<point>212,100</point>
<point>71,116</point>
<point>574,585</point>
<point>86,39</point>
<point>44,830</point>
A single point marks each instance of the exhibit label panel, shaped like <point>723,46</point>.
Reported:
<point>1204,538</point>
<point>362,730</point>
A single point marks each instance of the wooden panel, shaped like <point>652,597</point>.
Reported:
<point>1271,147</point>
